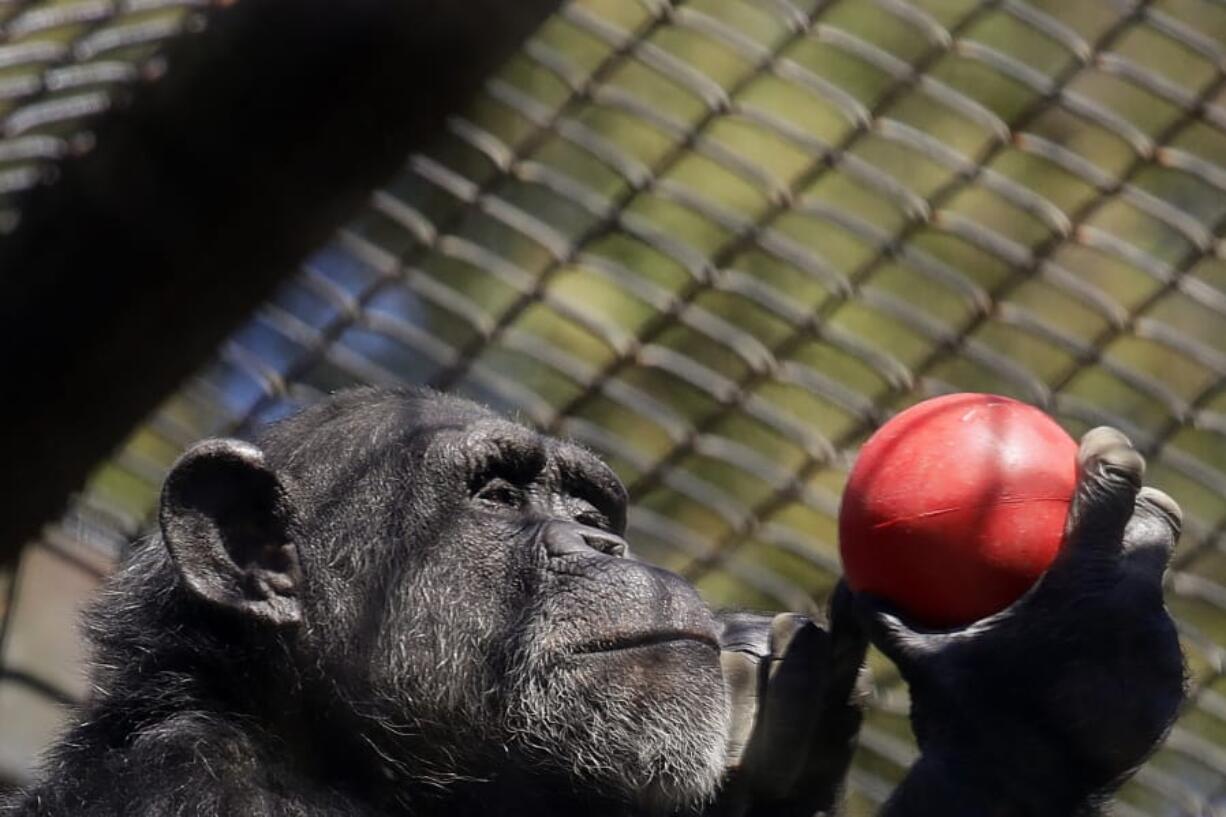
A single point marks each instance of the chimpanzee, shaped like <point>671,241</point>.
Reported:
<point>398,603</point>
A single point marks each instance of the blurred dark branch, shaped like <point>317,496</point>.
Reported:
<point>268,130</point>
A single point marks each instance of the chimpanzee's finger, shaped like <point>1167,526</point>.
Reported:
<point>788,629</point>
<point>889,632</point>
<point>799,671</point>
<point>745,632</point>
<point>1109,472</point>
<point>845,626</point>
<point>744,640</point>
<point>849,640</point>
<point>743,682</point>
<point>1151,533</point>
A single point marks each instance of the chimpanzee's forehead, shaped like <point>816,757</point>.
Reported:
<point>435,409</point>
<point>359,425</point>
<point>378,415</point>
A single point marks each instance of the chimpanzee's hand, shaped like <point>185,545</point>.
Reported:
<point>794,720</point>
<point>1046,707</point>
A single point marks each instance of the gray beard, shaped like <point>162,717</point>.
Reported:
<point>645,732</point>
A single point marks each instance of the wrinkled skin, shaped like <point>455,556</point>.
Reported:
<point>398,603</point>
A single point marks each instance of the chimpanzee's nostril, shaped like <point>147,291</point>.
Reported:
<point>563,538</point>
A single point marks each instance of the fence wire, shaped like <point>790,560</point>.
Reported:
<point>719,241</point>
<point>63,63</point>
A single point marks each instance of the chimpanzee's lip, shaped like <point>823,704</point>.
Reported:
<point>617,643</point>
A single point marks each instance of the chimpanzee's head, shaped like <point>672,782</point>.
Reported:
<point>453,589</point>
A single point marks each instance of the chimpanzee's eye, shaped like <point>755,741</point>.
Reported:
<point>498,491</point>
<point>588,514</point>
<point>593,519</point>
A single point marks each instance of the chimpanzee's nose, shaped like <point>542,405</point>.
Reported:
<point>564,538</point>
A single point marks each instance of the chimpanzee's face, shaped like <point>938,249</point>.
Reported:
<point>466,588</point>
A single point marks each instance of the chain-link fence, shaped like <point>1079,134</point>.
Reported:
<point>63,62</point>
<point>718,241</point>
<point>62,65</point>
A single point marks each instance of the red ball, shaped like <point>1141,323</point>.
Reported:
<point>956,506</point>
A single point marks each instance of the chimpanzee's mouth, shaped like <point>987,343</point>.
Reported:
<point>617,643</point>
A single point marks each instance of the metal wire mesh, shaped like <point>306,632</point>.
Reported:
<point>61,64</point>
<point>719,241</point>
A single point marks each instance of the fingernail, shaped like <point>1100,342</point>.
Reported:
<point>1109,450</point>
<point>1164,504</point>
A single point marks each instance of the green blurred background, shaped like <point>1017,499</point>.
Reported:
<point>719,241</point>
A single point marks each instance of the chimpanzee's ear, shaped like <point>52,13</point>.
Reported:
<point>227,521</point>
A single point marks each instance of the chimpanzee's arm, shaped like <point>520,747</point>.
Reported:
<point>1046,708</point>
<point>1039,711</point>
